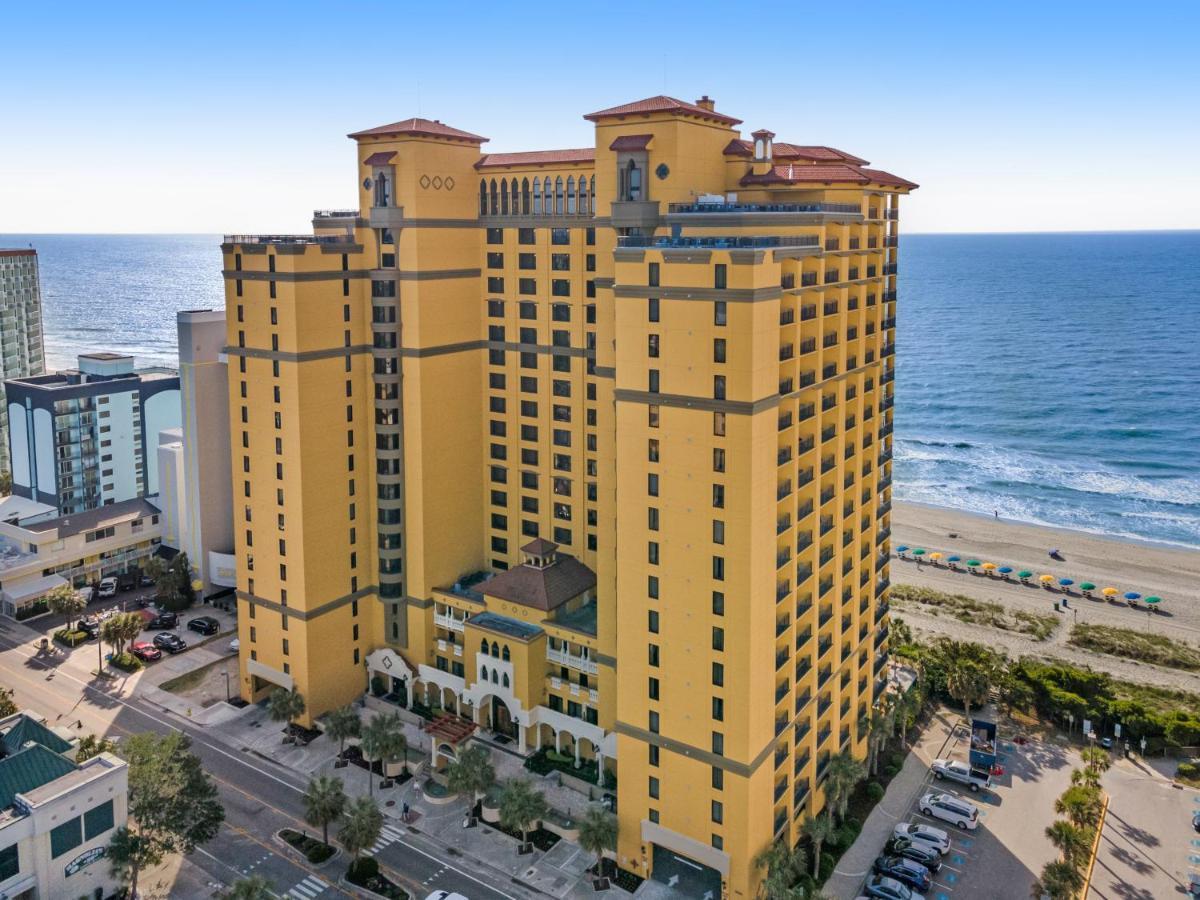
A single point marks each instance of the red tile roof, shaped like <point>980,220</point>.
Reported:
<point>537,158</point>
<point>662,103</point>
<point>883,177</point>
<point>18,253</point>
<point>631,142</point>
<point>798,174</point>
<point>426,127</point>
<point>379,159</point>
<point>543,589</point>
<point>781,150</point>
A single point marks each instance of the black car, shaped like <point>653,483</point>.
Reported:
<point>170,642</point>
<point>145,581</point>
<point>204,625</point>
<point>91,627</point>
<point>905,871</point>
<point>930,859</point>
<point>162,620</point>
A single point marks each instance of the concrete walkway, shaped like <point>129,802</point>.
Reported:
<point>856,862</point>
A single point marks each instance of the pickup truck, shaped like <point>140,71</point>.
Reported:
<point>975,778</point>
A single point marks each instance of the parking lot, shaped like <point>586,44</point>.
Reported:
<point>1003,855</point>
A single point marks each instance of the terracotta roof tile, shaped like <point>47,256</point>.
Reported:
<point>888,178</point>
<point>739,148</point>
<point>802,174</point>
<point>631,142</point>
<point>539,547</point>
<point>543,589</point>
<point>537,158</point>
<point>781,150</point>
<point>662,103</point>
<point>379,159</point>
<point>428,127</point>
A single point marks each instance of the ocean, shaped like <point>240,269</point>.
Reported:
<point>1047,377</point>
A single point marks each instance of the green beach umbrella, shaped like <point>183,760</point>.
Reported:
<point>972,562</point>
<point>918,552</point>
<point>1024,573</point>
<point>1154,599</point>
<point>1087,586</point>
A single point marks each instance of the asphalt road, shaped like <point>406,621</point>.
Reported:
<point>259,798</point>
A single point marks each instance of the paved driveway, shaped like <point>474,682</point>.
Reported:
<point>1148,847</point>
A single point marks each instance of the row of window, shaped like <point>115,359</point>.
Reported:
<point>549,197</point>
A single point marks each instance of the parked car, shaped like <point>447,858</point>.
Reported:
<point>90,626</point>
<point>909,849</point>
<point>162,620</point>
<point>445,895</point>
<point>235,645</point>
<point>889,889</point>
<point>1106,743</point>
<point>1196,820</point>
<point>170,641</point>
<point>973,777</point>
<point>108,588</point>
<point>145,580</point>
<point>913,874</point>
<point>924,835</point>
<point>204,625</point>
<point>145,651</point>
<point>949,808</point>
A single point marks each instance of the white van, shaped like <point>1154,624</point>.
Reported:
<point>949,808</point>
<point>108,588</point>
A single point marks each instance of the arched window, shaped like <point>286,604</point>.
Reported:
<point>633,181</point>
<point>495,650</point>
<point>524,196</point>
<point>504,653</point>
<point>495,204</point>
<point>516,198</point>
<point>592,194</point>
<point>558,196</point>
<point>504,679</point>
<point>504,196</point>
<point>537,196</point>
<point>483,646</point>
<point>381,190</point>
<point>483,196</point>
<point>483,673</point>
<point>495,677</point>
<point>582,194</point>
<point>571,195</point>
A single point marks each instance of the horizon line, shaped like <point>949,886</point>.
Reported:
<point>904,234</point>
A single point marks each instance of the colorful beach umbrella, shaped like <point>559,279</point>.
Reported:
<point>1045,579</point>
<point>1065,582</point>
<point>1132,595</point>
<point>1087,586</point>
<point>972,563</point>
<point>902,548</point>
<point>989,566</point>
<point>1024,573</point>
<point>953,558</point>
<point>935,556</point>
<point>1154,600</point>
<point>919,552</point>
<point>1110,592</point>
<point>1005,570</point>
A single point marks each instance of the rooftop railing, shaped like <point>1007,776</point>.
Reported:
<point>288,239</point>
<point>335,213</point>
<point>719,243</point>
<point>764,208</point>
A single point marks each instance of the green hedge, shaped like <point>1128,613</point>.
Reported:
<point>547,760</point>
<point>314,850</point>
<point>126,662</point>
<point>70,638</point>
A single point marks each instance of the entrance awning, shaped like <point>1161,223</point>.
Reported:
<point>452,730</point>
<point>20,594</point>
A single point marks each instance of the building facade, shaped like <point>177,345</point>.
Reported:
<point>195,487</point>
<point>666,358</point>
<point>57,816</point>
<point>78,439</point>
<point>21,349</point>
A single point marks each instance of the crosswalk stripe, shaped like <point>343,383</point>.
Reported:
<point>317,881</point>
<point>392,832</point>
<point>300,893</point>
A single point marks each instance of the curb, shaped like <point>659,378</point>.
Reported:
<point>1087,879</point>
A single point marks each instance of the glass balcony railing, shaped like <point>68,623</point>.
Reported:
<point>722,207</point>
<point>718,243</point>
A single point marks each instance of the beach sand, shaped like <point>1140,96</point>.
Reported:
<point>1147,568</point>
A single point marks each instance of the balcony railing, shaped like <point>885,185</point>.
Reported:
<point>288,239</point>
<point>335,213</point>
<point>449,622</point>
<point>570,660</point>
<point>718,243</point>
<point>676,208</point>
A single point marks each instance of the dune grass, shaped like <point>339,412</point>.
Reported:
<point>1142,646</point>
<point>1038,626</point>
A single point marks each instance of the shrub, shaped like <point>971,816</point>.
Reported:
<point>875,791</point>
<point>891,770</point>
<point>828,862</point>
<point>1189,772</point>
<point>126,662</point>
<point>70,638</point>
<point>314,850</point>
<point>362,869</point>
<point>1133,644</point>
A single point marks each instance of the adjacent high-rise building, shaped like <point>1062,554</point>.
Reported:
<point>78,438</point>
<point>21,350</point>
<point>586,450</point>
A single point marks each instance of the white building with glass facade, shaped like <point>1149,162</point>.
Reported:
<point>21,350</point>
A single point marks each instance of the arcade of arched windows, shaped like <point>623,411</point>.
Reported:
<point>552,195</point>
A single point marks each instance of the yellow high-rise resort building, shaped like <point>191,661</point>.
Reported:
<point>589,447</point>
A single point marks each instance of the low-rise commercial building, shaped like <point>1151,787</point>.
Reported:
<point>57,816</point>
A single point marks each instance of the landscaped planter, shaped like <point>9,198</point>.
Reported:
<point>437,794</point>
<point>489,814</point>
<point>567,829</point>
<point>300,854</point>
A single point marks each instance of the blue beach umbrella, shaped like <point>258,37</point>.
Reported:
<point>1065,582</point>
<point>1004,570</point>
<point>1131,595</point>
<point>953,558</point>
<point>902,548</point>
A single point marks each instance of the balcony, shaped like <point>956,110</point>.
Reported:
<point>288,239</point>
<point>893,214</point>
<point>721,207</point>
<point>571,661</point>
<point>781,658</point>
<point>449,622</point>
<point>889,350</point>
<point>635,214</point>
<point>716,243</point>
<point>787,317</point>
<point>807,313</point>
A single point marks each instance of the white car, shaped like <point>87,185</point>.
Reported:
<point>975,778</point>
<point>108,588</point>
<point>949,808</point>
<point>445,895</point>
<point>924,835</point>
<point>235,645</point>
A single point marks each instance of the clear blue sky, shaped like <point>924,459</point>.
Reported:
<point>210,117</point>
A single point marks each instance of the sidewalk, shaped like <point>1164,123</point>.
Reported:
<point>856,862</point>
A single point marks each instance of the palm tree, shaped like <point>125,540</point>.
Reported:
<point>1085,777</point>
<point>521,806</point>
<point>598,833</point>
<point>472,773</point>
<point>324,801</point>
<point>783,866</point>
<point>1080,804</point>
<point>817,829</point>
<point>843,772</point>
<point>343,723</point>
<point>361,823</point>
<point>285,706</point>
<point>1073,842</point>
<point>383,740</point>
<point>878,731</point>
<point>1096,759</point>
<point>64,600</point>
<point>1059,881</point>
<point>256,887</point>
<point>968,680</point>
<point>119,630</point>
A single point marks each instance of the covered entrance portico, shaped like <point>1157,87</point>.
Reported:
<point>687,876</point>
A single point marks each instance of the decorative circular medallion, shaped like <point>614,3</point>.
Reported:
<point>662,171</point>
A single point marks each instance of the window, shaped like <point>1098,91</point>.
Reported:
<point>97,820</point>
<point>718,743</point>
<point>652,450</point>
<point>653,722</point>
<point>720,313</point>
<point>652,309</point>
<point>495,235</point>
<point>652,622</point>
<point>719,496</point>
<point>718,674</point>
<point>718,638</point>
<point>653,655</point>
<point>652,346</point>
<point>718,603</point>
<point>718,778</point>
<point>652,688</point>
<point>718,568</point>
<point>719,421</point>
<point>718,387</point>
<point>9,862</point>
<point>718,811</point>
<point>719,350</point>
<point>718,709</point>
<point>653,788</point>
<point>718,531</point>
<point>66,837</point>
<point>718,459</point>
<point>719,276</point>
